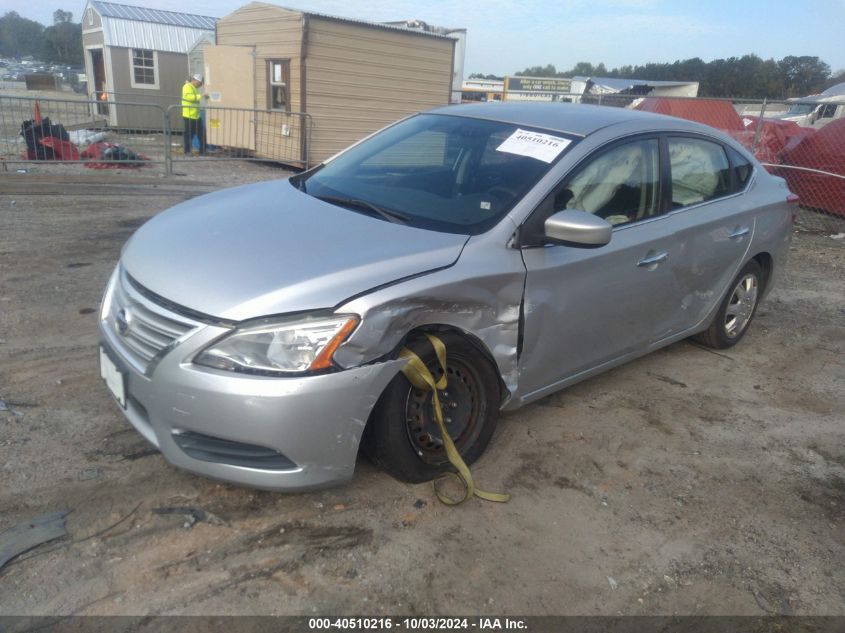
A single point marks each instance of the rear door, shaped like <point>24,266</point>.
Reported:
<point>712,223</point>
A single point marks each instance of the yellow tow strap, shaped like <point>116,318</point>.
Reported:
<point>420,377</point>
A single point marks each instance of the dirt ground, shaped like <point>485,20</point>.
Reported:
<point>687,482</point>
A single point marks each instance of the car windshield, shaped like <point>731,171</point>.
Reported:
<point>439,172</point>
<point>801,109</point>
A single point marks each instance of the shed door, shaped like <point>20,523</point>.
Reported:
<point>230,82</point>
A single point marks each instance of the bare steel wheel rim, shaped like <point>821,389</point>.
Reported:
<point>741,305</point>
<point>462,406</point>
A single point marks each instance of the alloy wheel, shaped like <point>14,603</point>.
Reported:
<point>741,306</point>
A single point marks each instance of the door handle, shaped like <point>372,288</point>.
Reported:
<point>653,260</point>
<point>739,232</point>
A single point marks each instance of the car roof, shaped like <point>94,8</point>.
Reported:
<point>570,118</point>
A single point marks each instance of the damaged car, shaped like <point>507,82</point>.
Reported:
<point>254,334</point>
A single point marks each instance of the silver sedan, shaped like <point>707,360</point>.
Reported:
<point>253,335</point>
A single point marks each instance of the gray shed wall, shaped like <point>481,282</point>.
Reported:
<point>172,73</point>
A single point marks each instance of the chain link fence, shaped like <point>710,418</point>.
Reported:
<point>800,141</point>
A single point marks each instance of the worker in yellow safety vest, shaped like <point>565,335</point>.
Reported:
<point>191,98</point>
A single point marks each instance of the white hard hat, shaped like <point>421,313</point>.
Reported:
<point>197,77</point>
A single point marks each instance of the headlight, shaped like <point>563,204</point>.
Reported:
<point>276,347</point>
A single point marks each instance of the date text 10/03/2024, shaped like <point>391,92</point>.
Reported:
<point>418,624</point>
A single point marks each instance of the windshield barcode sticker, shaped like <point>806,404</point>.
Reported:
<point>544,147</point>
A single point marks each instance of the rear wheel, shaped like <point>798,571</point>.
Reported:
<point>402,436</point>
<point>737,309</point>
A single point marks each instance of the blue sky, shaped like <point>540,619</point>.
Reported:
<point>504,36</point>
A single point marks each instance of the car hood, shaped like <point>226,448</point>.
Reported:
<point>268,248</point>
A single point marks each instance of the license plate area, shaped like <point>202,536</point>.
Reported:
<point>115,378</point>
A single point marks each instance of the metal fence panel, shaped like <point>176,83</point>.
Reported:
<point>82,132</point>
<point>242,133</point>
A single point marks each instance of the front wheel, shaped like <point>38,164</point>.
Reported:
<point>737,309</point>
<point>402,436</point>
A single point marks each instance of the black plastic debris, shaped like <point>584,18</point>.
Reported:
<point>103,155</point>
<point>33,131</point>
<point>25,536</point>
<point>120,153</point>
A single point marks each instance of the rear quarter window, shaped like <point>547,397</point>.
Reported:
<point>742,170</point>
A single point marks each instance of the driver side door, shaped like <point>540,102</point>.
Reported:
<point>587,307</point>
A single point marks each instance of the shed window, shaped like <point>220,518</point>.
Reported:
<point>143,66</point>
<point>278,85</point>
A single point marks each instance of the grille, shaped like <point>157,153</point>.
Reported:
<point>143,329</point>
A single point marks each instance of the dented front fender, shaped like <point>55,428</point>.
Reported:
<point>480,295</point>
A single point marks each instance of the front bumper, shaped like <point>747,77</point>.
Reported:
<point>316,422</point>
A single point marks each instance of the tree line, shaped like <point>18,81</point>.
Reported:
<point>60,43</point>
<point>748,76</point>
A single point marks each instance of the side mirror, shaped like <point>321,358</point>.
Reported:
<point>578,227</point>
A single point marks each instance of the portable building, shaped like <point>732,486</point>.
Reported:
<point>196,63</point>
<point>317,83</point>
<point>137,55</point>
<point>460,37</point>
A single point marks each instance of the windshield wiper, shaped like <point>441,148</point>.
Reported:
<point>387,214</point>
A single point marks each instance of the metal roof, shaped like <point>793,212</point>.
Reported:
<point>621,84</point>
<point>386,26</point>
<point>156,16</point>
<point>138,27</point>
<point>157,37</point>
<point>834,91</point>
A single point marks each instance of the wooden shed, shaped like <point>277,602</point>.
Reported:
<point>136,55</point>
<point>350,77</point>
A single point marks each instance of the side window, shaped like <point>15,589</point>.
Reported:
<point>741,168</point>
<point>700,171</point>
<point>621,185</point>
<point>278,85</point>
<point>827,111</point>
<point>144,71</point>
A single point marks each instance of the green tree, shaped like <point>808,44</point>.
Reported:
<point>548,70</point>
<point>63,43</point>
<point>584,69</point>
<point>60,16</point>
<point>837,78</point>
<point>482,76</point>
<point>803,75</point>
<point>748,76</point>
<point>20,37</point>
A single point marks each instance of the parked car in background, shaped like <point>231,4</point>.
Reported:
<point>817,110</point>
<point>253,334</point>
